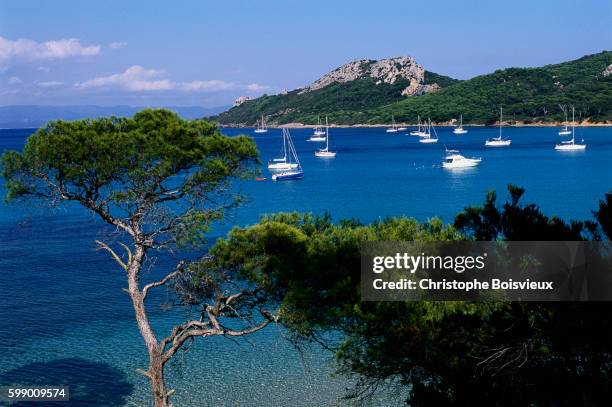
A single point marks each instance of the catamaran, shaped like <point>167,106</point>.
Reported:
<point>418,131</point>
<point>324,152</point>
<point>570,145</point>
<point>292,173</point>
<point>427,137</point>
<point>460,129</point>
<point>319,134</point>
<point>393,128</point>
<point>498,141</point>
<point>455,160</point>
<point>261,126</point>
<point>318,131</point>
<point>283,163</point>
<point>565,131</point>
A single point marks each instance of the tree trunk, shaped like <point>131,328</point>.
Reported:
<point>158,386</point>
<point>156,365</point>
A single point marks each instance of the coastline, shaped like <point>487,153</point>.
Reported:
<point>440,124</point>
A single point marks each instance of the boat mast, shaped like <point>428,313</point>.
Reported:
<point>326,134</point>
<point>573,125</point>
<point>284,147</point>
<point>501,115</point>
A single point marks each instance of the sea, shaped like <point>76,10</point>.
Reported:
<point>64,319</point>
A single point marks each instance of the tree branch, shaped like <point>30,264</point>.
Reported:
<point>180,268</point>
<point>115,256</point>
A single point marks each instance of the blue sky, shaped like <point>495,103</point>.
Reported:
<point>207,53</point>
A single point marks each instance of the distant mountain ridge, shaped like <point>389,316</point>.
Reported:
<point>362,93</point>
<point>19,116</point>
<point>355,86</point>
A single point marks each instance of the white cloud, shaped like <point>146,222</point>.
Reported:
<point>138,79</point>
<point>135,78</point>
<point>50,84</point>
<point>207,86</point>
<point>117,44</point>
<point>14,80</point>
<point>44,69</point>
<point>255,87</point>
<point>29,50</point>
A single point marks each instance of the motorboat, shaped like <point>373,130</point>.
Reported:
<point>455,160</point>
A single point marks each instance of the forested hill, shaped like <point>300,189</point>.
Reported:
<point>527,94</point>
<point>354,87</point>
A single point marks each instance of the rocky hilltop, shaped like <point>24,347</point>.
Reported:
<point>382,71</point>
<point>356,86</point>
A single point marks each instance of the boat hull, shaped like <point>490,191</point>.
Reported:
<point>428,140</point>
<point>282,166</point>
<point>316,139</point>
<point>565,133</point>
<point>325,154</point>
<point>391,130</point>
<point>459,131</point>
<point>467,163</point>
<point>288,176</point>
<point>570,147</point>
<point>497,143</point>
<point>260,131</point>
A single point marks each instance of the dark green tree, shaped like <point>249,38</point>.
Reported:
<point>444,353</point>
<point>160,181</point>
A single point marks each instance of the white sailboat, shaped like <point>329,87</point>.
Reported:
<point>427,139</point>
<point>565,131</point>
<point>418,132</point>
<point>455,160</point>
<point>318,131</point>
<point>283,163</point>
<point>498,141</point>
<point>571,145</point>
<point>460,129</point>
<point>324,152</point>
<point>261,126</point>
<point>393,128</point>
<point>293,172</point>
<point>319,134</point>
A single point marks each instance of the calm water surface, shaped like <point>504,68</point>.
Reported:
<point>65,319</point>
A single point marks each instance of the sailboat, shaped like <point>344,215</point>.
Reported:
<point>426,139</point>
<point>418,131</point>
<point>460,129</point>
<point>565,131</point>
<point>393,128</point>
<point>261,126</point>
<point>283,163</point>
<point>293,172</point>
<point>324,152</point>
<point>570,145</point>
<point>318,131</point>
<point>319,134</point>
<point>498,141</point>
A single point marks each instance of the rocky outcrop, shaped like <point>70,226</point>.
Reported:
<point>383,71</point>
<point>607,71</point>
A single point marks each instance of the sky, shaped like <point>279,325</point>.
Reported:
<point>207,53</point>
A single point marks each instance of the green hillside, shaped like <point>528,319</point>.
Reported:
<point>356,96</point>
<point>528,94</point>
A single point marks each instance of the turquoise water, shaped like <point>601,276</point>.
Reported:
<point>65,320</point>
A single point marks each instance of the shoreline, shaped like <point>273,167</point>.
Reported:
<point>441,124</point>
